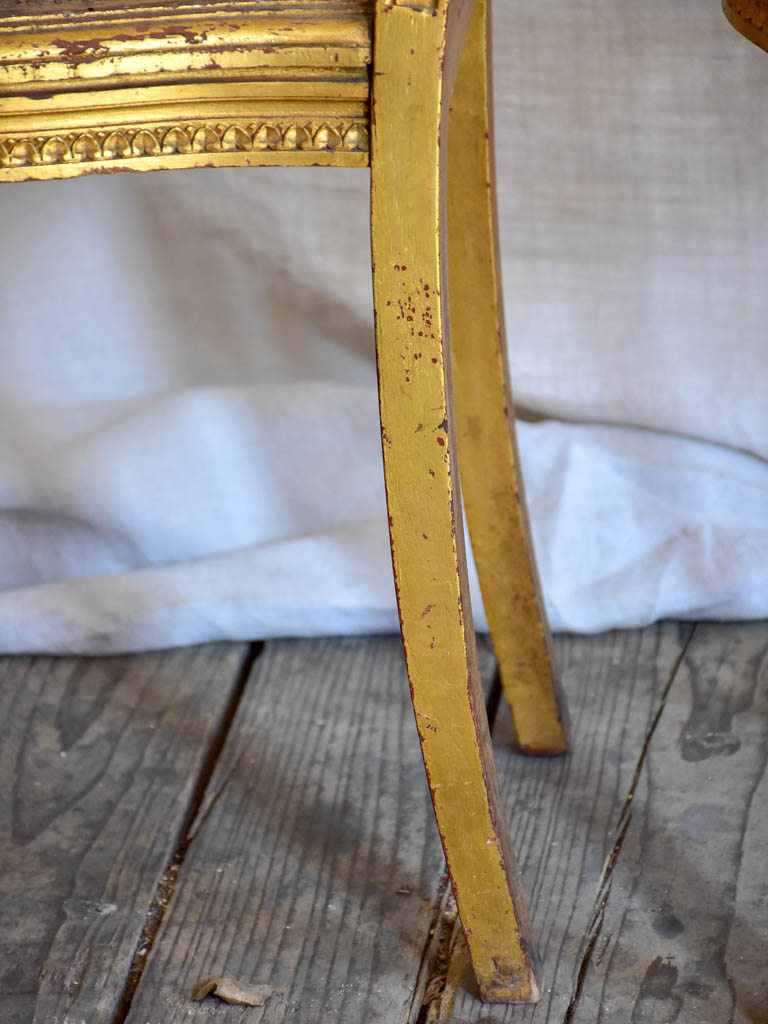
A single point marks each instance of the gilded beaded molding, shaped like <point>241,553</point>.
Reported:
<point>129,143</point>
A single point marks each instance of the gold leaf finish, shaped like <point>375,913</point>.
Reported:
<point>100,86</point>
<point>40,155</point>
<point>493,488</point>
<point>750,17</point>
<point>416,55</point>
<point>96,87</point>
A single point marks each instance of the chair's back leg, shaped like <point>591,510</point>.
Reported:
<point>493,490</point>
<point>423,492</point>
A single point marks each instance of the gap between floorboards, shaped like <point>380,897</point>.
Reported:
<point>165,887</point>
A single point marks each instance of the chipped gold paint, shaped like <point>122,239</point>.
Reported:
<point>493,489</point>
<point>750,17</point>
<point>221,84</point>
<point>158,87</point>
<point>415,52</point>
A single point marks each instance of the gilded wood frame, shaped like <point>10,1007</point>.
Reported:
<point>140,87</point>
<point>134,86</point>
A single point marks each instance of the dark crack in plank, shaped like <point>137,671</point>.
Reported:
<point>690,933</point>
<point>100,757</point>
<point>564,811</point>
<point>316,868</point>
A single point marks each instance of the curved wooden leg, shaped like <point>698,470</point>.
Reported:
<point>423,494</point>
<point>493,490</point>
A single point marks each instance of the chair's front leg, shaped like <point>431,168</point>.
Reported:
<point>414,362</point>
<point>493,489</point>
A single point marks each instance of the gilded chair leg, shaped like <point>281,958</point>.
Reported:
<point>493,490</point>
<point>424,500</point>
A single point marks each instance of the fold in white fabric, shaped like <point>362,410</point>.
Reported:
<point>290,538</point>
<point>189,443</point>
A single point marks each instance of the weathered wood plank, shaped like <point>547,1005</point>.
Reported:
<point>564,811</point>
<point>99,759</point>
<point>326,814</point>
<point>687,922</point>
<point>316,861</point>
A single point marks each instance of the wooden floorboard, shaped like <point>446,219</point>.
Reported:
<point>563,811</point>
<point>313,865</point>
<point>645,851</point>
<point>99,760</point>
<point>686,929</point>
<point>316,864</point>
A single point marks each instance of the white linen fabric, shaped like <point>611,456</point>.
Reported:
<point>189,444</point>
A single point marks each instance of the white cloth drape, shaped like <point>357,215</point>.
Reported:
<point>188,427</point>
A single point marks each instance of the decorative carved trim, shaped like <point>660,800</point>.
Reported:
<point>753,11</point>
<point>96,145</point>
<point>750,17</point>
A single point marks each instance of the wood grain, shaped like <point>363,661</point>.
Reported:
<point>688,923</point>
<point>564,811</point>
<point>647,855</point>
<point>316,861</point>
<point>100,759</point>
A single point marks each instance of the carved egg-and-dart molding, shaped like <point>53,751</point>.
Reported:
<point>95,146</point>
